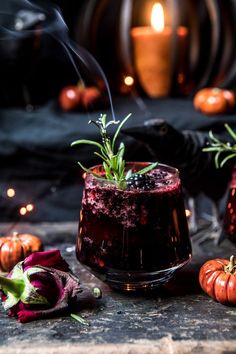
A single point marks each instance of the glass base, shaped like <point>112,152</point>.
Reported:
<point>134,281</point>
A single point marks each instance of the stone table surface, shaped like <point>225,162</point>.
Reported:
<point>179,318</point>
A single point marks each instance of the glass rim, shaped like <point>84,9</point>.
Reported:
<point>173,170</point>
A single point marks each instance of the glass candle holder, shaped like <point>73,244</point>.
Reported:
<point>133,238</point>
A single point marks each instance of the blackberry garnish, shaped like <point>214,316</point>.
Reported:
<point>140,181</point>
<point>160,174</point>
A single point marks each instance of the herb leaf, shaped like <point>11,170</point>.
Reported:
<point>89,142</point>
<point>113,161</point>
<point>227,158</point>
<point>80,319</point>
<point>118,129</point>
<point>88,170</point>
<point>147,169</point>
<point>220,147</point>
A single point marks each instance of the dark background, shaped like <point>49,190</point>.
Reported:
<point>35,134</point>
<point>34,66</point>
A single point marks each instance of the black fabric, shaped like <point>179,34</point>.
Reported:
<point>37,160</point>
<point>184,150</point>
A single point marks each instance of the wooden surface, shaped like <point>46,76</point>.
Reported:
<point>179,318</point>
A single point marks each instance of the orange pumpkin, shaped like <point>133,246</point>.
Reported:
<point>214,101</point>
<point>16,248</point>
<point>79,97</point>
<point>217,278</point>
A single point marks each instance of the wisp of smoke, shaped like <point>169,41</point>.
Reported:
<point>22,20</point>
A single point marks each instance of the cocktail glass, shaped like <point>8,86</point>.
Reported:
<point>133,238</point>
<point>229,221</point>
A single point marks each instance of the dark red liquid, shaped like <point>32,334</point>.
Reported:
<point>133,230</point>
<point>229,223</point>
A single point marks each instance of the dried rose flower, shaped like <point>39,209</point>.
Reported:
<point>39,287</point>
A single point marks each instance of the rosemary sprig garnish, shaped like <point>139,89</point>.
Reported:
<point>80,319</point>
<point>113,161</point>
<point>220,147</point>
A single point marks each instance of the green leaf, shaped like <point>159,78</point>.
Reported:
<point>120,155</point>
<point>107,171</point>
<point>121,150</point>
<point>217,155</point>
<point>88,142</point>
<point>98,177</point>
<point>213,138</point>
<point>222,147</point>
<point>88,170</point>
<point>10,301</point>
<point>230,131</point>
<point>80,319</point>
<point>13,287</point>
<point>122,168</point>
<point>103,120</point>
<point>227,158</point>
<point>104,153</point>
<point>97,292</point>
<point>113,162</point>
<point>118,130</point>
<point>13,292</point>
<point>128,174</point>
<point>26,292</point>
<point>212,148</point>
<point>100,155</point>
<point>147,169</point>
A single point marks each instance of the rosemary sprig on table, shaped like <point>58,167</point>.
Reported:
<point>113,161</point>
<point>220,147</point>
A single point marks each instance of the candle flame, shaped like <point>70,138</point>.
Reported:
<point>157,17</point>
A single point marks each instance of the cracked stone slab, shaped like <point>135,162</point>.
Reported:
<point>176,319</point>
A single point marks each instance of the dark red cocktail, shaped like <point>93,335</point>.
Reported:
<point>134,238</point>
<point>229,222</point>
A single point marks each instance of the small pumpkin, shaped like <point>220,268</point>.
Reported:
<point>217,278</point>
<point>79,97</point>
<point>69,98</point>
<point>16,248</point>
<point>214,101</point>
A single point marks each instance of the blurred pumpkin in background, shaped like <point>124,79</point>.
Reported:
<point>16,247</point>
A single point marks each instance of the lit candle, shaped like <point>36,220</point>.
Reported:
<point>152,49</point>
